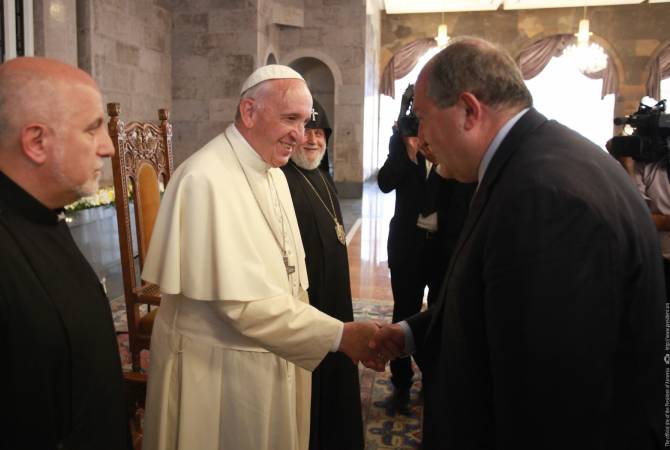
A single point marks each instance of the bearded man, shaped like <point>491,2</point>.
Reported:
<point>335,385</point>
<point>61,380</point>
<point>235,338</point>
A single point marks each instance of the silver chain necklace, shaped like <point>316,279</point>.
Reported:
<point>282,245</point>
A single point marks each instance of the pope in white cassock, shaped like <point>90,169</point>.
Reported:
<point>235,338</point>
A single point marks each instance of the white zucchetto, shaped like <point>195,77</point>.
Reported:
<point>269,72</point>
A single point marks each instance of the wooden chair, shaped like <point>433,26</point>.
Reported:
<point>143,159</point>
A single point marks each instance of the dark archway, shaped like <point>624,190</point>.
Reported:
<point>321,83</point>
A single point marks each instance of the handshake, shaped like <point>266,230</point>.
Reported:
<point>372,343</point>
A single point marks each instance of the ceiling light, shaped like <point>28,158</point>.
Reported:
<point>583,34</point>
<point>588,57</point>
<point>442,36</point>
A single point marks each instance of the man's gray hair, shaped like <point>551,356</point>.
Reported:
<point>256,92</point>
<point>26,96</point>
<point>477,66</point>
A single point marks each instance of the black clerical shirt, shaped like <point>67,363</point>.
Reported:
<point>61,383</point>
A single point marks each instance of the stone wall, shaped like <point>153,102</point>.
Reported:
<point>216,45</point>
<point>631,34</point>
<point>192,56</point>
<point>126,46</point>
<point>334,33</point>
<point>213,50</point>
<point>55,29</point>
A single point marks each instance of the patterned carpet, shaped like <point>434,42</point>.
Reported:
<point>384,429</point>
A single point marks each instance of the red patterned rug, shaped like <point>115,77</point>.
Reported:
<point>384,430</point>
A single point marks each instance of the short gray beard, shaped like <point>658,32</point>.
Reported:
<point>63,180</point>
<point>298,157</point>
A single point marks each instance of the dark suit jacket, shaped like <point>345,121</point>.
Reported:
<point>409,181</point>
<point>548,331</point>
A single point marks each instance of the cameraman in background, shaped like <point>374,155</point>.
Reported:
<point>646,157</point>
<point>429,214</point>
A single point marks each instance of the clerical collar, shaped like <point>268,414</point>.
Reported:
<point>16,198</point>
<point>247,154</point>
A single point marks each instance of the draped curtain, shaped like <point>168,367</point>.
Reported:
<point>659,70</point>
<point>402,63</point>
<point>533,59</point>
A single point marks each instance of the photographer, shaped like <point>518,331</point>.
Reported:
<point>652,180</point>
<point>429,214</point>
<point>645,156</point>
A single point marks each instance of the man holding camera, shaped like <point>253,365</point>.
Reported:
<point>652,180</point>
<point>429,214</point>
<point>645,157</point>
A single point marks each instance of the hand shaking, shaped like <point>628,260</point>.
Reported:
<point>356,337</point>
<point>388,343</point>
<point>372,343</point>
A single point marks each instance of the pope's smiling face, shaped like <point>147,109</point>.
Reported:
<point>277,121</point>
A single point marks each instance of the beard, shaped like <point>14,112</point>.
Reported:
<point>73,189</point>
<point>299,157</point>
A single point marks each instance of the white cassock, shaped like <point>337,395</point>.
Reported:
<point>234,337</point>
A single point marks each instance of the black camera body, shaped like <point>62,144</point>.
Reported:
<point>408,123</point>
<point>650,141</point>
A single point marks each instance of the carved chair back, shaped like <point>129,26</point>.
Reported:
<point>142,165</point>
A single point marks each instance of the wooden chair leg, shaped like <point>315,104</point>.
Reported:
<point>136,389</point>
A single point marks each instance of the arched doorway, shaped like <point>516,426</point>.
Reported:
<point>271,59</point>
<point>321,84</point>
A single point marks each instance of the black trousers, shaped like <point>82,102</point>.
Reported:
<point>424,266</point>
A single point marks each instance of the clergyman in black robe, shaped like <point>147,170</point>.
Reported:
<point>336,421</point>
<point>61,384</point>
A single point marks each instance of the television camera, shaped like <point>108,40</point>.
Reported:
<point>650,140</point>
<point>408,123</point>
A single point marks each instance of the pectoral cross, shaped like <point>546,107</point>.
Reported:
<point>289,269</point>
<point>315,115</point>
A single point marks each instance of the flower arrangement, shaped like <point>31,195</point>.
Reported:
<point>104,197</point>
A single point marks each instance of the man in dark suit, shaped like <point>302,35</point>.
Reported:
<point>429,214</point>
<point>548,330</point>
